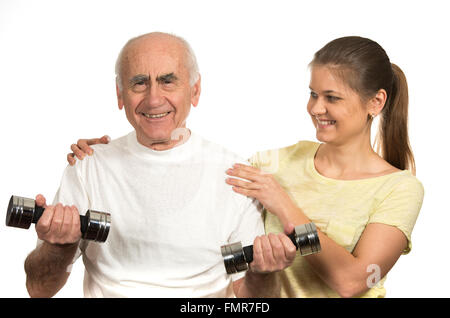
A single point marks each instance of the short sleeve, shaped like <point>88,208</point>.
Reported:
<point>401,207</point>
<point>253,160</point>
<point>267,161</point>
<point>250,226</point>
<point>72,192</point>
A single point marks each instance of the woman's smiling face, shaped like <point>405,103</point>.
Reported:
<point>337,111</point>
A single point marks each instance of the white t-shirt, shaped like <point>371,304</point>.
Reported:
<point>170,211</point>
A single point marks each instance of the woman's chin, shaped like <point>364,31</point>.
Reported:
<point>325,138</point>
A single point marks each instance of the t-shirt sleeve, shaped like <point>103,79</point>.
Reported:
<point>250,226</point>
<point>72,192</point>
<point>401,208</point>
<point>267,161</point>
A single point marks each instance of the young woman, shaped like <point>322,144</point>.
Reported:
<point>364,202</point>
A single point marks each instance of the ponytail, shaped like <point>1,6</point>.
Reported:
<point>392,141</point>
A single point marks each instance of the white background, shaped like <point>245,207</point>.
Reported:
<point>57,85</point>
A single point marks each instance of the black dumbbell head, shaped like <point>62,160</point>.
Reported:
<point>234,258</point>
<point>20,212</point>
<point>98,226</point>
<point>307,239</point>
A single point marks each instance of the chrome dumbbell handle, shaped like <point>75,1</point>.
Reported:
<point>94,225</point>
<point>236,258</point>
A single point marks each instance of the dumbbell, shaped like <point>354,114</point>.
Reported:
<point>24,211</point>
<point>236,258</point>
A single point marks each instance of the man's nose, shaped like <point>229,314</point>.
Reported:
<point>155,96</point>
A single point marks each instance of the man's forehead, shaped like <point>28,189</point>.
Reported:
<point>144,59</point>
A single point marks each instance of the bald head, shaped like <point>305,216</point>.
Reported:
<point>158,40</point>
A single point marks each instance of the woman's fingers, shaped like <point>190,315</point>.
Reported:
<point>243,184</point>
<point>82,148</point>
<point>77,151</point>
<point>71,159</point>
<point>83,145</point>
<point>245,172</point>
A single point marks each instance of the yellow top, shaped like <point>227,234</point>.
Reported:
<point>341,209</point>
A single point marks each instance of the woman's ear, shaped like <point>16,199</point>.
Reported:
<point>377,103</point>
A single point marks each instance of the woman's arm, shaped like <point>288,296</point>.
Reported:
<point>349,274</point>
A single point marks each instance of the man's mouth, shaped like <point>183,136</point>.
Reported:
<point>155,115</point>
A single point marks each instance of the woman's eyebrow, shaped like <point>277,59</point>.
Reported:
<point>328,91</point>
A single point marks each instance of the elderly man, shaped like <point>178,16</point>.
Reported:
<point>164,187</point>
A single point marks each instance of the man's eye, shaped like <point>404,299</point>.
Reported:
<point>313,95</point>
<point>140,86</point>
<point>167,81</point>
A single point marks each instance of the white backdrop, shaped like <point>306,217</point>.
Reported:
<point>57,85</point>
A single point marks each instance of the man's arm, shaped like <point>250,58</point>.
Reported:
<point>46,266</point>
<point>255,285</point>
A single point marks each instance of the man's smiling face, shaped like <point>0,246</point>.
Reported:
<point>156,90</point>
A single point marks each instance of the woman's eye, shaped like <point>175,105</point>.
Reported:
<point>332,99</point>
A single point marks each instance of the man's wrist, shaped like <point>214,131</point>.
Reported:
<point>262,284</point>
<point>60,251</point>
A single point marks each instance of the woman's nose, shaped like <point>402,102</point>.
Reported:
<point>317,107</point>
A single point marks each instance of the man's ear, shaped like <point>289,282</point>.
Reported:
<point>377,102</point>
<point>119,97</point>
<point>195,92</point>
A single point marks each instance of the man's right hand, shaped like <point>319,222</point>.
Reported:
<point>58,224</point>
<point>81,148</point>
